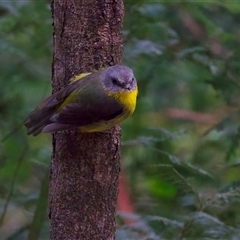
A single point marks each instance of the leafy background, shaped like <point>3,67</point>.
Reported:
<point>180,153</point>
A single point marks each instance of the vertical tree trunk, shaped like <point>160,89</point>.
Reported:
<point>85,167</point>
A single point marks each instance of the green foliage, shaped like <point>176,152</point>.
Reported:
<point>180,151</point>
<point>184,180</point>
<point>25,67</point>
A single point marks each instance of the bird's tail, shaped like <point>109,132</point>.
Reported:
<point>37,120</point>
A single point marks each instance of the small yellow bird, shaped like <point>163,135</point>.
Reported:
<point>92,102</point>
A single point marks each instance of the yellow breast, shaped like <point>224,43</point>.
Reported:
<point>127,99</point>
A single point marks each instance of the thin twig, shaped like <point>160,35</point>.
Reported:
<point>20,159</point>
<point>17,128</point>
<point>41,210</point>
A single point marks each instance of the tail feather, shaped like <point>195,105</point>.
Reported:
<point>37,120</point>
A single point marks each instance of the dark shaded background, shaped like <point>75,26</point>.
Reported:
<point>180,151</point>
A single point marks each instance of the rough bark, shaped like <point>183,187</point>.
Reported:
<point>85,167</point>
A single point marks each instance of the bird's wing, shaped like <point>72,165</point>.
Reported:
<point>57,97</point>
<point>45,110</point>
<point>79,114</point>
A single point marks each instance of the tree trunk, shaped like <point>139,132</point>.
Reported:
<point>85,167</point>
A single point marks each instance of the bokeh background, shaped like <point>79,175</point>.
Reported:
<point>180,150</point>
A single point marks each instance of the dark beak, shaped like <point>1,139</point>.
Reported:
<point>128,86</point>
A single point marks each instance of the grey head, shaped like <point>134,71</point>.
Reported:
<point>119,78</point>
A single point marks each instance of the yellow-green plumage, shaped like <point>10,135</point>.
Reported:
<point>92,102</point>
<point>128,100</point>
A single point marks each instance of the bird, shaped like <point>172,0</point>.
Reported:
<point>92,102</point>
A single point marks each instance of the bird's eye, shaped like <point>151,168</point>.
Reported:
<point>133,79</point>
<point>114,81</point>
